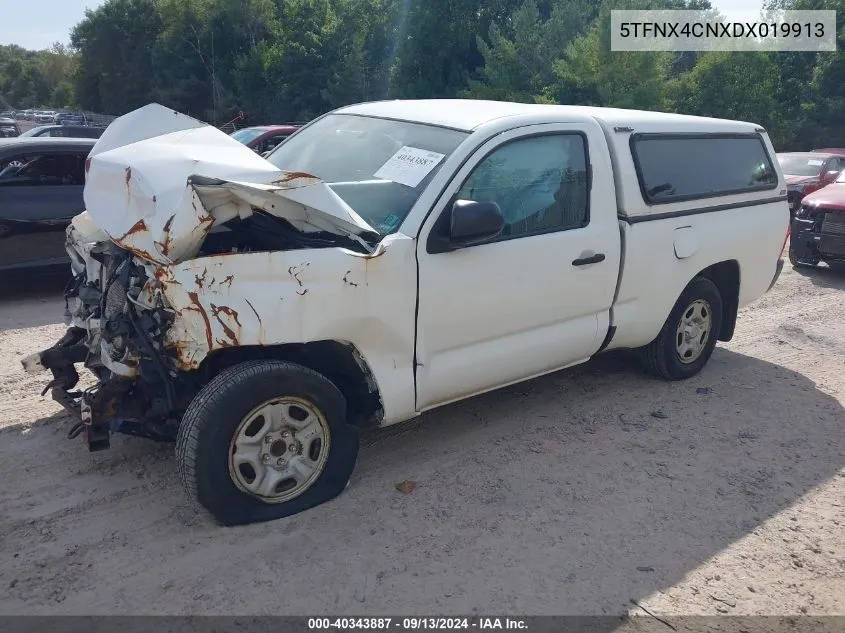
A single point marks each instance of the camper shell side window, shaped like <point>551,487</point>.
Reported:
<point>675,167</point>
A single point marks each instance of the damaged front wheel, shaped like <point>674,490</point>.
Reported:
<point>264,440</point>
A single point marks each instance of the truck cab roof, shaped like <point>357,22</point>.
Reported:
<point>664,163</point>
<point>469,115</point>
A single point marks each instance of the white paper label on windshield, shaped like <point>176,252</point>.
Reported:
<point>409,166</point>
<point>815,162</point>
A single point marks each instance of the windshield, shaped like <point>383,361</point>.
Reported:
<point>800,164</point>
<point>377,166</point>
<point>246,135</point>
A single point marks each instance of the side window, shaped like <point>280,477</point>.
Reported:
<point>539,183</point>
<point>674,167</point>
<point>12,167</point>
<point>46,170</point>
<point>271,142</point>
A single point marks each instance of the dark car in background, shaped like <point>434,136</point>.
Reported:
<point>806,172</point>
<point>65,131</point>
<point>263,138</point>
<point>41,183</point>
<point>9,128</point>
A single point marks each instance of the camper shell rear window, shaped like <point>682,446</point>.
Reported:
<point>677,167</point>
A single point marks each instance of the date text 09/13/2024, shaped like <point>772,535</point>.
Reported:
<point>417,623</point>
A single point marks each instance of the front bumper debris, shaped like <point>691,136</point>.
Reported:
<point>818,235</point>
<point>117,325</point>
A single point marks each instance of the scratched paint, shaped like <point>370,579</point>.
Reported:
<point>261,299</point>
<point>156,188</point>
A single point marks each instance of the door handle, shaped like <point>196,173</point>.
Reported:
<point>592,259</point>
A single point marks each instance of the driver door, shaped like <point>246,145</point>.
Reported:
<point>537,297</point>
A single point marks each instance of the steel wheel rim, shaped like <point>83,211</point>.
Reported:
<point>693,331</point>
<point>279,449</point>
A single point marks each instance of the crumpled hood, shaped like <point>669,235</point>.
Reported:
<point>831,197</point>
<point>158,181</point>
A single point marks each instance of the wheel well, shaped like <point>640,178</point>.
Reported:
<point>726,277</point>
<point>340,362</point>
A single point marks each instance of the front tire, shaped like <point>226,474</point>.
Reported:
<point>265,440</point>
<point>689,335</point>
<point>800,263</point>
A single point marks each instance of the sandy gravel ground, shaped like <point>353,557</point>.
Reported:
<point>572,494</point>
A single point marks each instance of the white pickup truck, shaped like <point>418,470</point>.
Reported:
<point>390,258</point>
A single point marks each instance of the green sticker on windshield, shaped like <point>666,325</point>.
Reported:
<point>389,224</point>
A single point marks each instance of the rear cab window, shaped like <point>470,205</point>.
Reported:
<point>677,167</point>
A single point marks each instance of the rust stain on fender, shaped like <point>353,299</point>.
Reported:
<point>296,271</point>
<point>197,306</point>
<point>200,279</point>
<point>215,312</point>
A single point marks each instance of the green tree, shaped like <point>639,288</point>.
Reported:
<point>589,73</point>
<point>438,48</point>
<point>35,78</point>
<point>719,86</point>
<point>520,66</point>
<point>114,44</point>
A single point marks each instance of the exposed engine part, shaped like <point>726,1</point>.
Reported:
<point>117,326</point>
<point>264,232</point>
<point>118,318</point>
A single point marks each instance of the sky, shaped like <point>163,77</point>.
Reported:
<point>49,21</point>
<point>54,19</point>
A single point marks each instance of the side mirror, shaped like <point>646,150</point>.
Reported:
<point>830,177</point>
<point>466,223</point>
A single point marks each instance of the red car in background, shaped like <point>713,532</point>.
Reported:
<point>263,138</point>
<point>818,228</point>
<point>806,172</point>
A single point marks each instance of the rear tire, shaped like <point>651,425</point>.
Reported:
<point>688,337</point>
<point>265,422</point>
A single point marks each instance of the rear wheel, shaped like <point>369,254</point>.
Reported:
<point>265,440</point>
<point>689,335</point>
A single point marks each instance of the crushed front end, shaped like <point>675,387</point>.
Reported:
<point>818,234</point>
<point>117,318</point>
<point>166,195</point>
